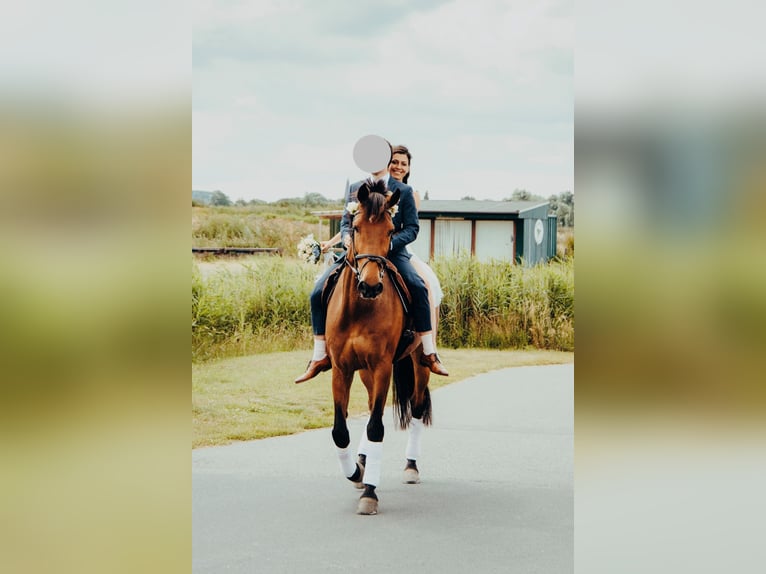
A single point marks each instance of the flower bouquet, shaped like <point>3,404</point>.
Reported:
<point>309,249</point>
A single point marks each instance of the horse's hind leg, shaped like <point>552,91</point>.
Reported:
<point>341,384</point>
<point>414,435</point>
<point>421,416</point>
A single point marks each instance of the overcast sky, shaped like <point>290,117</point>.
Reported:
<point>481,91</point>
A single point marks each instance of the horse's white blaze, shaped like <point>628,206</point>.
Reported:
<point>413,439</point>
<point>347,461</point>
<point>374,462</point>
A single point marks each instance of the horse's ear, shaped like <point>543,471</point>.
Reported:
<point>364,193</point>
<point>393,199</point>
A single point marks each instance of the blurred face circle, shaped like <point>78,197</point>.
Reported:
<point>399,166</point>
<point>372,153</point>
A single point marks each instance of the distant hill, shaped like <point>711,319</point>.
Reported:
<point>205,197</point>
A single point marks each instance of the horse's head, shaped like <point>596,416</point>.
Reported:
<point>371,236</point>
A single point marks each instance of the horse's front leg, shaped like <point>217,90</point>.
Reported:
<point>341,385</point>
<point>377,383</point>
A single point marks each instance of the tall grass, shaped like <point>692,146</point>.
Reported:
<point>565,243</point>
<point>254,227</point>
<point>264,307</point>
<point>500,305</point>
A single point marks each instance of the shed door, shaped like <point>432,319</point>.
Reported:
<point>494,240</point>
<point>452,237</point>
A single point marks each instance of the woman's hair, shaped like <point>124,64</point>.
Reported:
<point>403,150</point>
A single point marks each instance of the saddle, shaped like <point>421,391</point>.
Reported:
<point>407,341</point>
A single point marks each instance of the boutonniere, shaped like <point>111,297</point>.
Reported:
<point>352,207</point>
<point>394,209</point>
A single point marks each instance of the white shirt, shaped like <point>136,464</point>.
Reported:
<point>384,178</point>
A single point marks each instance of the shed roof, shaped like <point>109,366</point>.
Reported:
<point>478,207</point>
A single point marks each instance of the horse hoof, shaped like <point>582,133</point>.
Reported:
<point>411,476</point>
<point>367,506</point>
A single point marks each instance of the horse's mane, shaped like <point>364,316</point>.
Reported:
<point>375,205</point>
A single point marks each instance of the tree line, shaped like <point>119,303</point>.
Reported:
<point>219,198</point>
<point>560,205</point>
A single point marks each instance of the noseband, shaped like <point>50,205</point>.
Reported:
<point>379,260</point>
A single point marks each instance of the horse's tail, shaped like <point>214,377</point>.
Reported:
<point>404,388</point>
<point>425,408</point>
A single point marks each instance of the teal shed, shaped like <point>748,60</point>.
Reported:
<point>488,230</point>
<point>501,230</point>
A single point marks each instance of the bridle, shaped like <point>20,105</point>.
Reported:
<point>379,260</point>
<point>383,265</point>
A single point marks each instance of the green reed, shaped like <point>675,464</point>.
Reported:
<point>264,307</point>
<point>261,307</point>
<point>501,305</point>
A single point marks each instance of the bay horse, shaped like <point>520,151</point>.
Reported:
<point>365,321</point>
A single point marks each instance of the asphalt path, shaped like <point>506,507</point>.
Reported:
<point>496,491</point>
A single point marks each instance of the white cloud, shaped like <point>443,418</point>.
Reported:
<point>217,14</point>
<point>481,92</point>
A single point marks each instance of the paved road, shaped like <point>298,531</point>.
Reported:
<point>496,491</point>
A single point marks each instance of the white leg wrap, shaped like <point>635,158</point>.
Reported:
<point>413,439</point>
<point>374,462</point>
<point>347,461</point>
<point>363,442</point>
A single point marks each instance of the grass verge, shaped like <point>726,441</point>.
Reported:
<point>254,397</point>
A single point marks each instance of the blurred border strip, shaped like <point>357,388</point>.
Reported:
<point>671,181</point>
<point>95,173</point>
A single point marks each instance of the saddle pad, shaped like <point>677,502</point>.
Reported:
<point>330,283</point>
